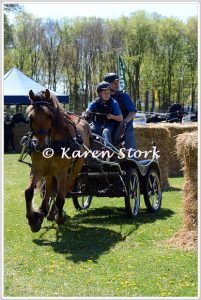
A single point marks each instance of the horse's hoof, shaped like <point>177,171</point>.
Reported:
<point>51,216</point>
<point>62,219</point>
<point>36,227</point>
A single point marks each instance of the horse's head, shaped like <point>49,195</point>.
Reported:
<point>41,114</point>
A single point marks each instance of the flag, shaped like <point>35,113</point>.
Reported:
<point>122,78</point>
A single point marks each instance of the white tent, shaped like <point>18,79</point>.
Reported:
<point>17,86</point>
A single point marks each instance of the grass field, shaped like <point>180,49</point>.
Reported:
<point>98,252</point>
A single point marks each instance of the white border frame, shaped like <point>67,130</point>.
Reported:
<point>2,162</point>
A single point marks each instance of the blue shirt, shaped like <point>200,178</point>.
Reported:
<point>129,103</point>
<point>114,111</point>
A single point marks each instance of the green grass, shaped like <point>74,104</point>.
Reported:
<point>98,252</point>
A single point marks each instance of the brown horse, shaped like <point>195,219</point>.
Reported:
<point>53,128</point>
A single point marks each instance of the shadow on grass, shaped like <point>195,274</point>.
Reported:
<point>85,236</point>
<point>117,216</point>
<point>173,189</point>
<point>81,243</point>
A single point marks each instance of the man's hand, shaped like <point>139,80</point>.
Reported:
<point>130,116</point>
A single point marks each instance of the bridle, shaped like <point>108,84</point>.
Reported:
<point>69,141</point>
<point>41,131</point>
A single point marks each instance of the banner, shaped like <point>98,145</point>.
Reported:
<point>122,69</point>
<point>140,119</point>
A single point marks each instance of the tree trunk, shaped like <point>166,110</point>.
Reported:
<point>137,82</point>
<point>153,101</point>
<point>146,101</point>
<point>192,99</point>
<point>159,98</point>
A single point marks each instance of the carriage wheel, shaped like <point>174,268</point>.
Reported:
<point>132,200</point>
<point>82,202</point>
<point>152,190</point>
<point>52,203</point>
<point>43,188</point>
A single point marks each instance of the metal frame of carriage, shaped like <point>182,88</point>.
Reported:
<point>117,177</point>
<point>111,177</point>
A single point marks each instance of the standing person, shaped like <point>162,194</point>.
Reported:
<point>8,134</point>
<point>109,112</point>
<point>127,108</point>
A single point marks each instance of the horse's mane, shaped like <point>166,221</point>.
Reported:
<point>61,120</point>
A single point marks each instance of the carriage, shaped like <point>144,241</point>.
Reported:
<point>117,176</point>
<point>107,170</point>
<point>111,174</point>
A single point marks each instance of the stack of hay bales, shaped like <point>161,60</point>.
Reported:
<point>160,135</point>
<point>175,129</point>
<point>187,151</point>
<point>19,131</point>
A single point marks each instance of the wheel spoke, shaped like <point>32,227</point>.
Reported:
<point>150,183</point>
<point>154,182</point>
<point>83,201</point>
<point>133,183</point>
<point>153,194</point>
<point>153,200</point>
<point>132,200</point>
<point>135,195</point>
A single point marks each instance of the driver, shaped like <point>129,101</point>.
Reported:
<point>107,112</point>
<point>127,108</point>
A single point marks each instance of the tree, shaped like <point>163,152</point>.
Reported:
<point>23,42</point>
<point>51,45</point>
<point>191,52</point>
<point>160,55</point>
<point>136,41</point>
<point>8,28</point>
<point>171,33</point>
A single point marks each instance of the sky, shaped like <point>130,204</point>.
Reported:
<point>109,10</point>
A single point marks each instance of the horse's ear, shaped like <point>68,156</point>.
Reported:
<point>32,95</point>
<point>47,94</point>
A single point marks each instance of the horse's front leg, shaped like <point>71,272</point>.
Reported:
<point>60,199</point>
<point>35,218</point>
<point>60,216</point>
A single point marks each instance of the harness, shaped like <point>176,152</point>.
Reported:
<point>41,130</point>
<point>74,143</point>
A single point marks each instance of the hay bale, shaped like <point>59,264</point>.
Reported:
<point>184,239</point>
<point>187,151</point>
<point>19,131</point>
<point>175,129</point>
<point>160,136</point>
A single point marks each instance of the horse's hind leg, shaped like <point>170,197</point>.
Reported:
<point>60,217</point>
<point>35,218</point>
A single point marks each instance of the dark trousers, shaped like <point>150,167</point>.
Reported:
<point>9,141</point>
